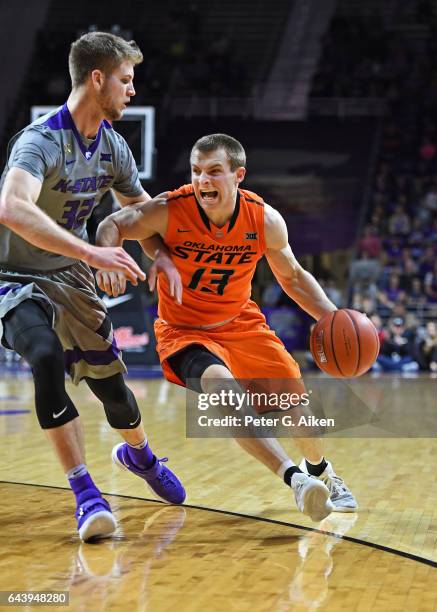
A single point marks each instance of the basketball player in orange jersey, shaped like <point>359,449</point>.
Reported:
<point>217,232</point>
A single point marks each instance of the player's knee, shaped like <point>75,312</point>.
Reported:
<point>217,379</point>
<point>196,363</point>
<point>215,371</point>
<point>118,401</point>
<point>112,390</point>
<point>42,359</point>
<point>120,396</point>
<point>47,364</point>
<point>123,415</point>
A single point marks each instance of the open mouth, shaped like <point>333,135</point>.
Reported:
<point>208,195</point>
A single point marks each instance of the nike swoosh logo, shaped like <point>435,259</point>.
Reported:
<point>183,231</point>
<point>123,460</point>
<point>70,162</point>
<point>111,302</point>
<point>56,415</point>
<point>137,421</point>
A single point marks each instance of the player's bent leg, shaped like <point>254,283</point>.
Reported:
<point>135,455</point>
<point>266,450</point>
<point>311,448</point>
<point>208,374</point>
<point>28,331</point>
<point>314,464</point>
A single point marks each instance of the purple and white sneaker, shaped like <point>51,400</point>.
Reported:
<point>159,478</point>
<point>95,519</point>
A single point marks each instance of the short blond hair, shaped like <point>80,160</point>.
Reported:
<point>100,51</point>
<point>233,148</point>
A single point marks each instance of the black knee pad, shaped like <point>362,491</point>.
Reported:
<point>28,331</point>
<point>118,401</point>
<point>190,363</point>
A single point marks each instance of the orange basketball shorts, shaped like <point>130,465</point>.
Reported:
<point>248,347</point>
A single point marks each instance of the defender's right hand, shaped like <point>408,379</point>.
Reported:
<point>114,259</point>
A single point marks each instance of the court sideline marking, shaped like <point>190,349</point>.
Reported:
<point>393,551</point>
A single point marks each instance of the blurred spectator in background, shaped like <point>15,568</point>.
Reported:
<point>392,293</point>
<point>427,348</point>
<point>399,222</point>
<point>364,303</point>
<point>416,298</point>
<point>408,267</point>
<point>429,203</point>
<point>430,284</point>
<point>364,271</point>
<point>271,294</point>
<point>370,243</point>
<point>377,322</point>
<point>426,262</point>
<point>399,310</point>
<point>397,349</point>
<point>333,292</point>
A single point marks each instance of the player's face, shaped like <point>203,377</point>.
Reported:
<point>117,90</point>
<point>215,184</point>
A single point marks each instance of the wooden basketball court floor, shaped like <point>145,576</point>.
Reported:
<point>238,543</point>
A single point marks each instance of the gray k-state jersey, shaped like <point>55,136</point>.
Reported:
<point>75,173</point>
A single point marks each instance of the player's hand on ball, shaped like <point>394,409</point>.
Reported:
<point>112,283</point>
<point>163,263</point>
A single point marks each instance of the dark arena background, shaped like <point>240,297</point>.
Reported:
<point>335,102</point>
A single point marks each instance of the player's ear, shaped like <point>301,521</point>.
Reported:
<point>97,78</point>
<point>240,174</point>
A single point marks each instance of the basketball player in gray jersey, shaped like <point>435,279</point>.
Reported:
<point>58,169</point>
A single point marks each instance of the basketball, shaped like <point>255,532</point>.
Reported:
<point>344,343</point>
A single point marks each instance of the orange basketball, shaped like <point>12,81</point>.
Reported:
<point>344,343</point>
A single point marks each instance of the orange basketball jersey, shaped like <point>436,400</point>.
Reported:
<point>216,264</point>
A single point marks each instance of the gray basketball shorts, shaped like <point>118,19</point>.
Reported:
<point>76,312</point>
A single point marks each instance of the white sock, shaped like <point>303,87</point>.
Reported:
<point>77,471</point>
<point>284,467</point>
<point>139,446</point>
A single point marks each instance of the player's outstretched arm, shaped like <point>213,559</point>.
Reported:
<point>149,245</point>
<point>19,211</point>
<point>146,222</point>
<point>134,222</point>
<point>297,283</point>
<point>153,246</point>
<point>114,283</point>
